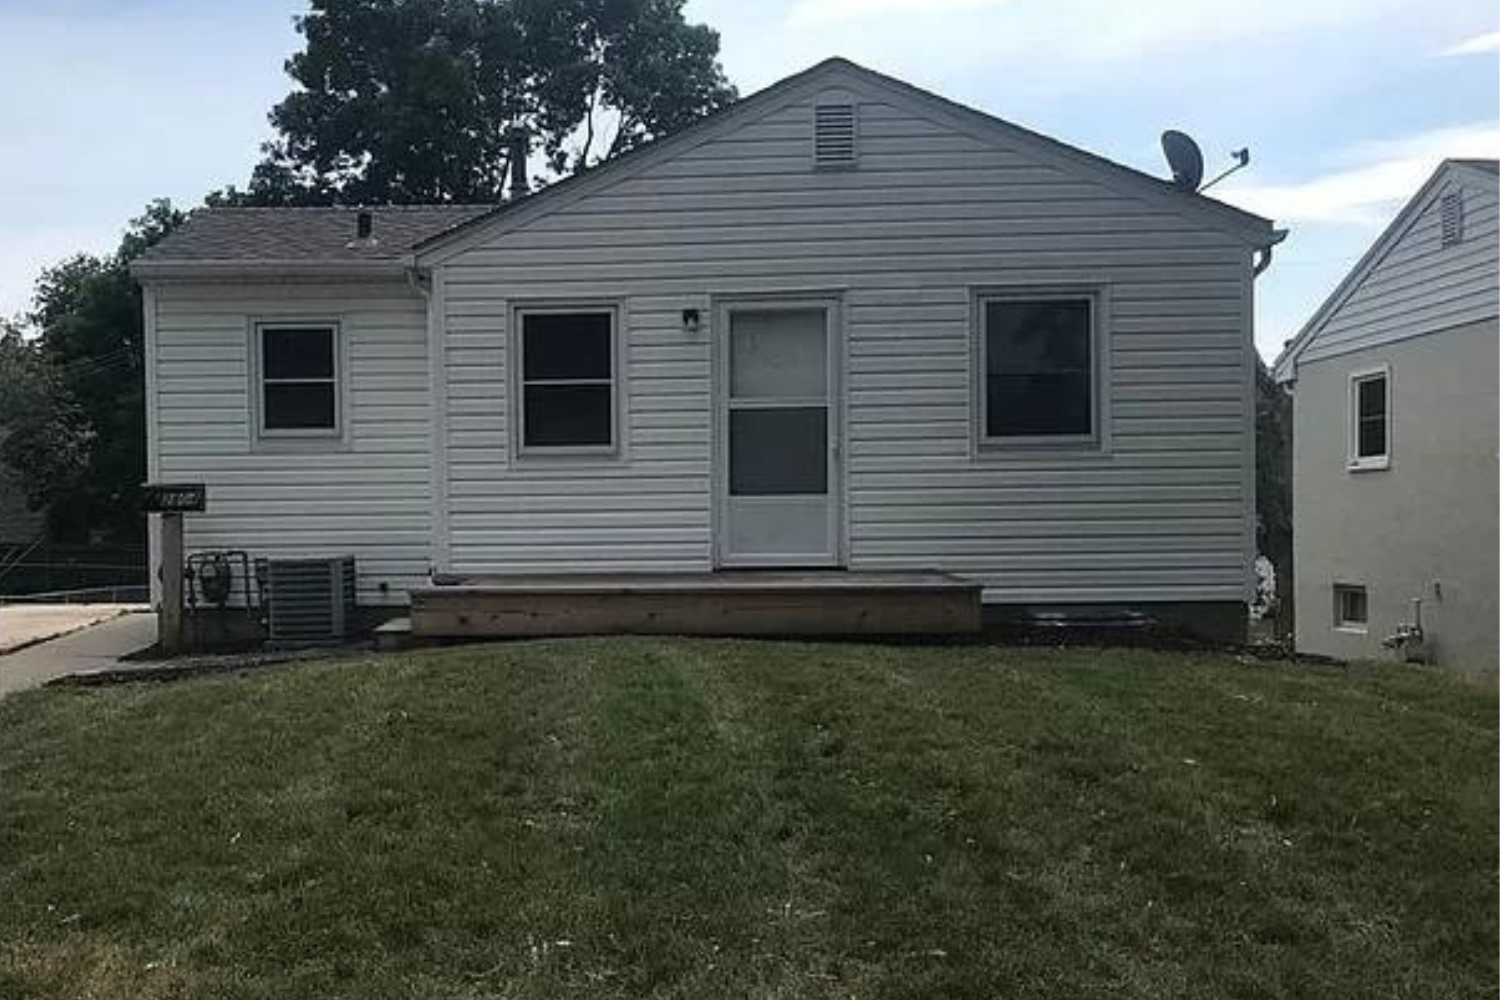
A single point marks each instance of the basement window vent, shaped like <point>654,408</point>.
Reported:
<point>833,136</point>
<point>1453,218</point>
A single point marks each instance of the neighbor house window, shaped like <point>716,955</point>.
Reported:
<point>1351,608</point>
<point>567,379</point>
<point>1370,419</point>
<point>298,366</point>
<point>1037,356</point>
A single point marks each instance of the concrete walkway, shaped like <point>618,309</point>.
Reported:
<point>90,648</point>
<point>24,625</point>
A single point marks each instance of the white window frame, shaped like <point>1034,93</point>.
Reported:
<point>1340,623</point>
<point>1367,463</point>
<point>1097,297</point>
<point>316,437</point>
<point>517,382</point>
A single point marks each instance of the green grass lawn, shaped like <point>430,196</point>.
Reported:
<point>697,819</point>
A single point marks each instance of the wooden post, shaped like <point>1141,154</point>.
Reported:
<point>169,616</point>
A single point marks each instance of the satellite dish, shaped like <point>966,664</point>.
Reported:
<point>1185,159</point>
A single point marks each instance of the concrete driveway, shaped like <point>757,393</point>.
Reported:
<point>96,643</point>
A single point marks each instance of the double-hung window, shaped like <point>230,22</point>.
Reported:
<point>298,370</point>
<point>1370,419</point>
<point>1038,359</point>
<point>568,382</point>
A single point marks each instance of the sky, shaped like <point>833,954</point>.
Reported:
<point>1346,105</point>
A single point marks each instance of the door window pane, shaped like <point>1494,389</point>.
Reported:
<point>778,452</point>
<point>778,354</point>
<point>1038,368</point>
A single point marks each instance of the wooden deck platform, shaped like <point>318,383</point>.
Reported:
<point>825,603</point>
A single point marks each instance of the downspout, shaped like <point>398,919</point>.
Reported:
<point>421,281</point>
<point>1262,259</point>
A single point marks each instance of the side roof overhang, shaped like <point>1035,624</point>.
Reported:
<point>1255,232</point>
<point>1285,366</point>
<point>269,270</point>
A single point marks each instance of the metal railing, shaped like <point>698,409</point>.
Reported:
<point>122,593</point>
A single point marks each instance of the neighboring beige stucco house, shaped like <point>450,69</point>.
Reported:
<point>1395,497</point>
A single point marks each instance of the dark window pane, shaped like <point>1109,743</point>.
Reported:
<point>1354,606</point>
<point>1038,368</point>
<point>1371,437</point>
<point>1372,398</point>
<point>300,406</point>
<point>778,452</point>
<point>567,346</point>
<point>1029,405</point>
<point>568,415</point>
<point>297,352</point>
<point>1371,413</point>
<point>1037,336</point>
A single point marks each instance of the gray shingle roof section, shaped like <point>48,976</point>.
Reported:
<point>265,235</point>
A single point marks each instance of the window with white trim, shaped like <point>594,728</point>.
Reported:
<point>567,384</point>
<point>1037,359</point>
<point>1351,608</point>
<point>1370,419</point>
<point>298,371</point>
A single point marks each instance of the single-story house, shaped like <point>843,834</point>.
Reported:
<point>1395,488</point>
<point>844,324</point>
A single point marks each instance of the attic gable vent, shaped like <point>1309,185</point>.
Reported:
<point>833,136</point>
<point>1453,218</point>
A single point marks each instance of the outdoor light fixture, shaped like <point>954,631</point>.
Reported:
<point>691,321</point>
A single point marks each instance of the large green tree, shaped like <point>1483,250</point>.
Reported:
<point>72,406</point>
<point>406,101</point>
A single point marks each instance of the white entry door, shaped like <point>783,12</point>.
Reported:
<point>778,473</point>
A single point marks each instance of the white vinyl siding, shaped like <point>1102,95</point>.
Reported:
<point>369,497</point>
<point>933,214</point>
<point>1423,283</point>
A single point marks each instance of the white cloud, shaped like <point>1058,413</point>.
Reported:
<point>1095,29</point>
<point>808,12</point>
<point>1478,45</point>
<point>1375,175</point>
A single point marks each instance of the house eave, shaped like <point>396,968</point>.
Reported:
<point>162,270</point>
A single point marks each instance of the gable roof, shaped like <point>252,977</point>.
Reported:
<point>298,238</point>
<point>320,241</point>
<point>1254,230</point>
<point>1285,366</point>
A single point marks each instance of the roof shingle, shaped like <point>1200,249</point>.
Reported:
<point>265,235</point>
